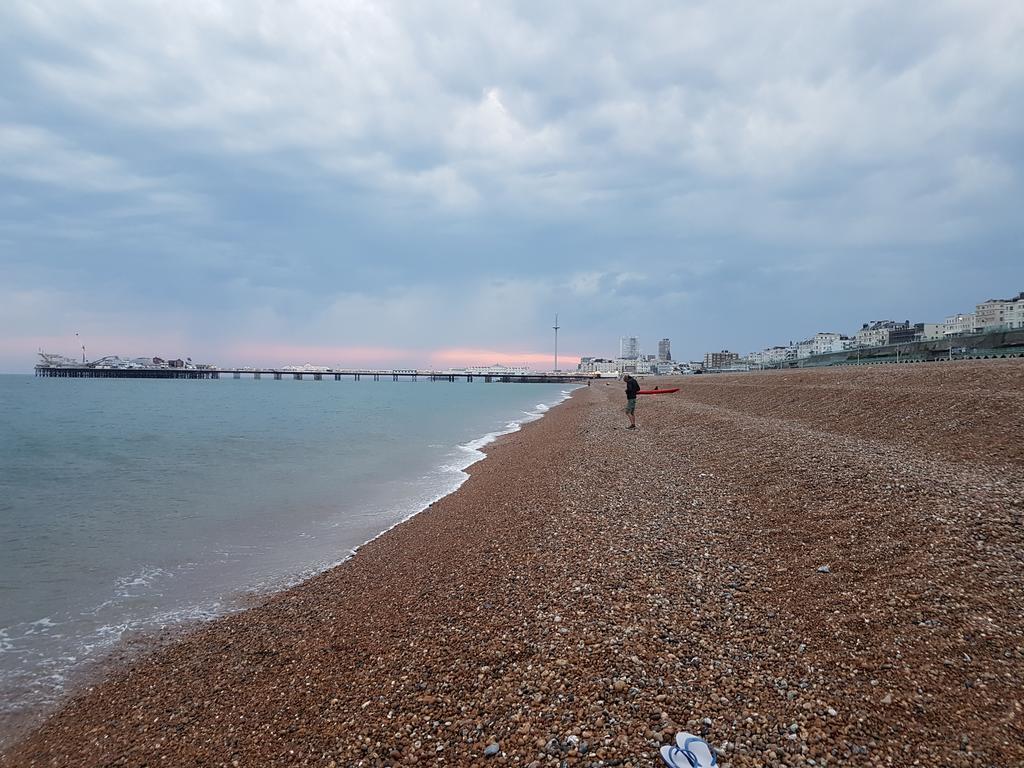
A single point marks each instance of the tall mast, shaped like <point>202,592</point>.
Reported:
<point>556,327</point>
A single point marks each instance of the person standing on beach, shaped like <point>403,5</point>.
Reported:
<point>632,387</point>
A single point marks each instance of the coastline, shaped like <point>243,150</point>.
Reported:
<point>137,642</point>
<point>589,591</point>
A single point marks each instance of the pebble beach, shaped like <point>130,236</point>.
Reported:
<point>807,568</point>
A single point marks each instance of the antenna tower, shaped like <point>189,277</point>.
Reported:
<point>556,326</point>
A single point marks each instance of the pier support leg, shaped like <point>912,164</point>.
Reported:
<point>277,377</point>
<point>256,376</point>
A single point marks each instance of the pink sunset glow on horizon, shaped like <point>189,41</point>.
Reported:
<point>468,356</point>
<point>275,354</point>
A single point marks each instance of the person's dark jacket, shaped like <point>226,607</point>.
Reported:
<point>632,387</point>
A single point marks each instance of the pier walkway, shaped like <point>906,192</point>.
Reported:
<point>89,372</point>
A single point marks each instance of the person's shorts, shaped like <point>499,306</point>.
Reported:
<point>631,405</point>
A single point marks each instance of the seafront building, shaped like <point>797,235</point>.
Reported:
<point>717,360</point>
<point>959,323</point>
<point>878,333</point>
<point>990,316</point>
<point>597,365</point>
<point>632,361</point>
<point>1005,314</point>
<point>629,348</point>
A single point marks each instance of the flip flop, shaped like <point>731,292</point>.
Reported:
<point>674,757</point>
<point>697,750</point>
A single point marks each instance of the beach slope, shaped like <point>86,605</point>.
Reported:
<point>807,567</point>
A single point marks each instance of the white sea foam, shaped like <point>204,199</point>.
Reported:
<point>139,582</point>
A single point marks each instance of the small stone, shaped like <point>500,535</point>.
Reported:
<point>887,699</point>
<point>824,569</point>
<point>831,712</point>
<point>492,750</point>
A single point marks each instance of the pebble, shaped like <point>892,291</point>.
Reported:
<point>571,605</point>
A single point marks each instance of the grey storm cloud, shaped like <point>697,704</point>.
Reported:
<point>721,173</point>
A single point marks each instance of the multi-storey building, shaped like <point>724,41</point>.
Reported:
<point>629,348</point>
<point>824,343</point>
<point>998,313</point>
<point>597,365</point>
<point>928,331</point>
<point>957,324</point>
<point>880,332</point>
<point>664,350</point>
<point>773,355</point>
<point>1015,315</point>
<point>719,359</point>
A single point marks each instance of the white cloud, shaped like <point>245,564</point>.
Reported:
<point>38,155</point>
<point>544,108</point>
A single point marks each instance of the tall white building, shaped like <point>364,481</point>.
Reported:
<point>629,348</point>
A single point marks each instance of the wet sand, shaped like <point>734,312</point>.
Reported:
<point>810,568</point>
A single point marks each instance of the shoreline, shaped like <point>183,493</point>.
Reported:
<point>137,643</point>
<point>590,591</point>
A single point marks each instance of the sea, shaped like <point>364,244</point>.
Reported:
<point>131,506</point>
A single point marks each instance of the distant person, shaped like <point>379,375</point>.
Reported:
<point>632,387</point>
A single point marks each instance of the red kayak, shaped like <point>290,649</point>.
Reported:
<point>657,391</point>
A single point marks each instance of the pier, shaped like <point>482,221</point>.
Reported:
<point>91,372</point>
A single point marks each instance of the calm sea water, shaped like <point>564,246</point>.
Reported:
<point>126,506</point>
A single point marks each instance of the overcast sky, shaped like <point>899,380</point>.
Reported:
<point>261,181</point>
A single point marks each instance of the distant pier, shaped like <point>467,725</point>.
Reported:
<point>87,372</point>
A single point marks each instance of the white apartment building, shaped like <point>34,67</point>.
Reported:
<point>804,349</point>
<point>878,333</point>
<point>1015,315</point>
<point>999,313</point>
<point>872,337</point>
<point>629,348</point>
<point>774,355</point>
<point>932,331</point>
<point>824,343</point>
<point>959,323</point>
